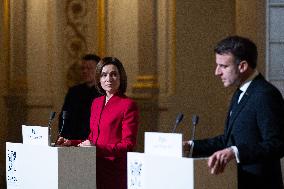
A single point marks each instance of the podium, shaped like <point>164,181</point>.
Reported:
<point>150,170</point>
<point>45,167</point>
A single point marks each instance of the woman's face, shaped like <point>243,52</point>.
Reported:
<point>110,79</point>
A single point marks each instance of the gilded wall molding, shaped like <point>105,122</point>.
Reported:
<point>146,82</point>
<point>101,28</point>
<point>5,51</point>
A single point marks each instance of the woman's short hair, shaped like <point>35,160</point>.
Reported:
<point>123,77</point>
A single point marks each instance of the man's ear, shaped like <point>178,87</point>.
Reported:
<point>243,66</point>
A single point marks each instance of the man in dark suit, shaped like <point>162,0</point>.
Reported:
<point>78,101</point>
<point>254,130</point>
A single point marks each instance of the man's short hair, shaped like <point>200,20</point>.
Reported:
<point>91,57</point>
<point>243,49</point>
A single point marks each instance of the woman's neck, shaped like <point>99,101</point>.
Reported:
<point>109,95</point>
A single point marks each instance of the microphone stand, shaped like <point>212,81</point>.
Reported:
<point>178,120</point>
<point>195,119</point>
<point>64,117</point>
<point>51,117</point>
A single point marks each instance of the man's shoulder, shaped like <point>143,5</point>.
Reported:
<point>261,87</point>
<point>78,87</point>
<point>82,88</point>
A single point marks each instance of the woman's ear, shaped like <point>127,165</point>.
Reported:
<point>243,66</point>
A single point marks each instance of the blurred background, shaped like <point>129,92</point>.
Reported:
<point>166,47</point>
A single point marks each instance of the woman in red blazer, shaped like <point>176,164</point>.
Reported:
<point>113,125</point>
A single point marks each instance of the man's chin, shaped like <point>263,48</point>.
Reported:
<point>227,84</point>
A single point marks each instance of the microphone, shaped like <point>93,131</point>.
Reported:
<point>195,119</point>
<point>178,120</point>
<point>51,117</point>
<point>64,118</point>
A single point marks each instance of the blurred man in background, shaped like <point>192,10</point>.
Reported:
<point>78,101</point>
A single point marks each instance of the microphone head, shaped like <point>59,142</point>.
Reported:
<point>52,115</point>
<point>195,119</point>
<point>179,118</point>
<point>64,114</point>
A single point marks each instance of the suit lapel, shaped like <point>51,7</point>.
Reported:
<point>237,111</point>
<point>100,107</point>
<point>231,119</point>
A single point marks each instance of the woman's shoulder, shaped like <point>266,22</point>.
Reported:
<point>125,100</point>
<point>99,99</point>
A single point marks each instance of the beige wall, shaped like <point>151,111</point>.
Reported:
<point>3,88</point>
<point>122,35</point>
<point>250,22</point>
<point>199,25</point>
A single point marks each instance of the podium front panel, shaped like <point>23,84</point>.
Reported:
<point>77,167</point>
<point>164,172</point>
<point>33,167</point>
<point>168,172</point>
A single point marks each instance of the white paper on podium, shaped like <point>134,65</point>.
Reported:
<point>35,135</point>
<point>13,177</point>
<point>163,144</point>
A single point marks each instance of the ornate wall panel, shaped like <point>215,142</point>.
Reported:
<point>80,34</point>
<point>75,34</point>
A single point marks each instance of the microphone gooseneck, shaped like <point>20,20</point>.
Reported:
<point>195,119</point>
<point>64,118</point>
<point>178,120</point>
<point>51,117</point>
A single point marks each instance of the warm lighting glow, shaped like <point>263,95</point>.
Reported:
<point>6,14</point>
<point>6,30</point>
<point>101,28</point>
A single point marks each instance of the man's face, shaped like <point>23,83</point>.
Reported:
<point>88,70</point>
<point>227,69</point>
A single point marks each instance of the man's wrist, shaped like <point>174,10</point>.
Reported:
<point>236,153</point>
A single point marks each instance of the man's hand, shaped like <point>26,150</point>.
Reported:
<point>63,142</point>
<point>86,143</point>
<point>186,146</point>
<point>218,161</point>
